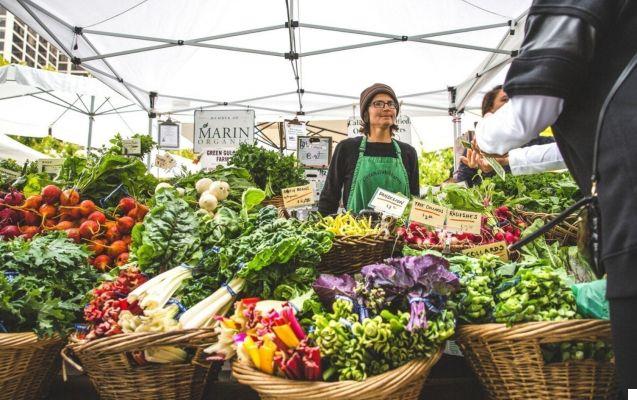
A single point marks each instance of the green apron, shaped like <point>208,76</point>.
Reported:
<point>376,172</point>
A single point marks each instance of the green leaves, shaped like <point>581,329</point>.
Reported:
<point>169,235</point>
<point>251,198</point>
<point>48,279</point>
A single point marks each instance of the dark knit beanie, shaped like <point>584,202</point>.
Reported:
<point>368,94</point>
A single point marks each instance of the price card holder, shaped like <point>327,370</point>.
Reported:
<point>132,147</point>
<point>298,197</point>
<point>165,161</point>
<point>464,221</point>
<point>314,151</point>
<point>428,213</point>
<point>497,248</point>
<point>388,203</point>
<point>50,165</point>
<point>11,174</point>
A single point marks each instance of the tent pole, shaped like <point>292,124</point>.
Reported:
<point>281,137</point>
<point>91,115</point>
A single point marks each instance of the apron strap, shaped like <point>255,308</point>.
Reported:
<point>397,148</point>
<point>362,147</point>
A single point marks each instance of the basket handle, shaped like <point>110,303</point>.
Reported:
<point>67,359</point>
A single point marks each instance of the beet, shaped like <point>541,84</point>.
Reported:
<point>10,232</point>
<point>51,194</point>
<point>14,198</point>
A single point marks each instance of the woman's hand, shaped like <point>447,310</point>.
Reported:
<point>475,160</point>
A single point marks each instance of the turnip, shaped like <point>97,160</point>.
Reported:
<point>218,190</point>
<point>162,185</point>
<point>203,184</point>
<point>225,185</point>
<point>181,192</point>
<point>208,202</point>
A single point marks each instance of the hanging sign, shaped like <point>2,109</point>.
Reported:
<point>298,196</point>
<point>293,129</point>
<point>404,129</point>
<point>132,147</point>
<point>386,202</point>
<point>354,125</point>
<point>168,136</point>
<point>428,213</point>
<point>314,151</point>
<point>464,221</point>
<point>210,158</point>
<point>50,165</point>
<point>165,161</point>
<point>317,178</point>
<point>225,129</point>
<point>10,173</point>
<point>498,248</point>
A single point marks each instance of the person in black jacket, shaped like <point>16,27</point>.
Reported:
<point>572,55</point>
<point>360,165</point>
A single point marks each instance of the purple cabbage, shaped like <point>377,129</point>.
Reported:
<point>329,287</point>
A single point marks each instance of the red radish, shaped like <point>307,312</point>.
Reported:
<point>401,231</point>
<point>88,229</point>
<point>51,194</point>
<point>97,246</point>
<point>116,248</point>
<point>87,207</point>
<point>477,239</point>
<point>32,202</point>
<point>509,237</point>
<point>98,217</point>
<point>125,225</point>
<point>14,198</point>
<point>102,262</point>
<point>63,225</point>
<point>10,232</point>
<point>112,234</point>
<point>126,204</point>
<point>121,259</point>
<point>69,197</point>
<point>30,218</point>
<point>127,239</point>
<point>47,211</point>
<point>74,234</point>
<point>499,236</point>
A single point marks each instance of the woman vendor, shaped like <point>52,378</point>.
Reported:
<point>374,160</point>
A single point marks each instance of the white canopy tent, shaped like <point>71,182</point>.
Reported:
<point>76,109</point>
<point>15,150</point>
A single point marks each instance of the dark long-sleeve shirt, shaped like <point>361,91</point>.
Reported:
<point>341,171</point>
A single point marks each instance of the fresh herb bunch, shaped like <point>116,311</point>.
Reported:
<point>43,283</point>
<point>270,170</point>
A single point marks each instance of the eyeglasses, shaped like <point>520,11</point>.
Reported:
<point>382,104</point>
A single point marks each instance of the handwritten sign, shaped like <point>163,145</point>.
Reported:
<point>464,221</point>
<point>10,173</point>
<point>428,213</point>
<point>50,165</point>
<point>497,248</point>
<point>132,147</point>
<point>292,131</point>
<point>165,161</point>
<point>298,196</point>
<point>389,203</point>
<point>314,151</point>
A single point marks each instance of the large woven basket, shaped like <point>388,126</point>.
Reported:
<point>509,362</point>
<point>115,375</point>
<point>403,383</point>
<point>350,253</point>
<point>276,201</point>
<point>566,233</point>
<point>27,365</point>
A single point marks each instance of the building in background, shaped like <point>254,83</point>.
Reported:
<point>20,44</point>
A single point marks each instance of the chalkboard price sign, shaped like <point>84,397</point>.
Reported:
<point>314,151</point>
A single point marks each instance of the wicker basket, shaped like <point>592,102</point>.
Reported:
<point>115,375</point>
<point>509,362</point>
<point>403,383</point>
<point>350,253</point>
<point>276,201</point>
<point>27,365</point>
<point>565,233</point>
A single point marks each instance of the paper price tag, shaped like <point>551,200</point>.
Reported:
<point>464,221</point>
<point>497,248</point>
<point>10,173</point>
<point>428,213</point>
<point>165,161</point>
<point>50,165</point>
<point>132,147</point>
<point>298,196</point>
<point>386,202</point>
